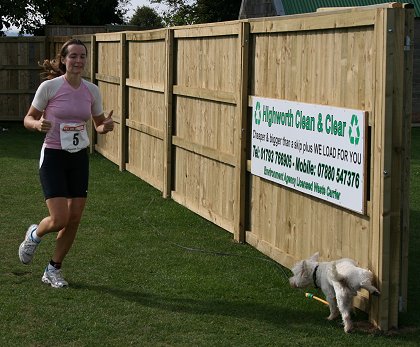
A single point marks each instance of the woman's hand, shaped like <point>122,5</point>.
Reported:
<point>35,121</point>
<point>43,125</point>
<point>108,123</point>
<point>104,125</point>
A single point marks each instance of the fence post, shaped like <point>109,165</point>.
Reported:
<point>242,106</point>
<point>93,68</point>
<point>380,209</point>
<point>388,133</point>
<point>405,207</point>
<point>167,135</point>
<point>123,102</point>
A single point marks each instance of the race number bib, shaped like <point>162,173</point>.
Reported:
<point>73,136</point>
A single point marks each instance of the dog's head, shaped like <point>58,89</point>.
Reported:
<point>303,272</point>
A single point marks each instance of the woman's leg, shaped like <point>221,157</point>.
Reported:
<point>58,218</point>
<point>67,234</point>
<point>64,241</point>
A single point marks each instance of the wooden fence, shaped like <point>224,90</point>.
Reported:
<point>20,71</point>
<point>182,106</point>
<point>19,74</point>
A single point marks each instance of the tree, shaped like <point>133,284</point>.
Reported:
<point>86,12</point>
<point>31,15</point>
<point>15,13</point>
<point>181,12</point>
<point>146,18</point>
<point>208,11</point>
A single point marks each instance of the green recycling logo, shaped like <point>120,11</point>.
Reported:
<point>354,130</point>
<point>257,113</point>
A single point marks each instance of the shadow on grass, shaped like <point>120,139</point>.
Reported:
<point>276,315</point>
<point>239,309</point>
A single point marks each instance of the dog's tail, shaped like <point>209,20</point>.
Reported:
<point>338,277</point>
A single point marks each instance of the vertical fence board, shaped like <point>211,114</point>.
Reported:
<point>397,168</point>
<point>123,102</point>
<point>242,129</point>
<point>93,68</point>
<point>167,155</point>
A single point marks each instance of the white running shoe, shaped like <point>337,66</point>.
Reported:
<point>54,277</point>
<point>28,246</point>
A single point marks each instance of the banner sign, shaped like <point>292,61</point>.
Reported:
<point>315,149</point>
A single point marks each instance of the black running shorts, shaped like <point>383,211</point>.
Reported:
<point>64,174</point>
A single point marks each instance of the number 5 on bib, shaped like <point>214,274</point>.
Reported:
<point>73,136</point>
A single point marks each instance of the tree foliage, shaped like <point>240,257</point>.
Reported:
<point>15,13</point>
<point>31,15</point>
<point>208,11</point>
<point>179,12</point>
<point>86,12</point>
<point>146,18</point>
<point>182,12</point>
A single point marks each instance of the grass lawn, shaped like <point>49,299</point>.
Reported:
<point>134,279</point>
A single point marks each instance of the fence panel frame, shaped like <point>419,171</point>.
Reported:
<point>229,94</point>
<point>153,137</point>
<point>110,145</point>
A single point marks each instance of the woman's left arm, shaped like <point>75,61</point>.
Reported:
<point>103,124</point>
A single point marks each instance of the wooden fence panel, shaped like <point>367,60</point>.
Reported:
<point>19,73</point>
<point>355,63</point>
<point>107,51</point>
<point>291,66</point>
<point>207,131</point>
<point>146,110</point>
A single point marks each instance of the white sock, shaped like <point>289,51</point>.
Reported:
<point>35,237</point>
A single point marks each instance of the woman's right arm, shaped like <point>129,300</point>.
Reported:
<point>35,121</point>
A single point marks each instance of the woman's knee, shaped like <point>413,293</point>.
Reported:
<point>74,220</point>
<point>59,213</point>
<point>58,222</point>
<point>76,208</point>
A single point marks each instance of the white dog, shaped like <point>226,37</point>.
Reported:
<point>339,280</point>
